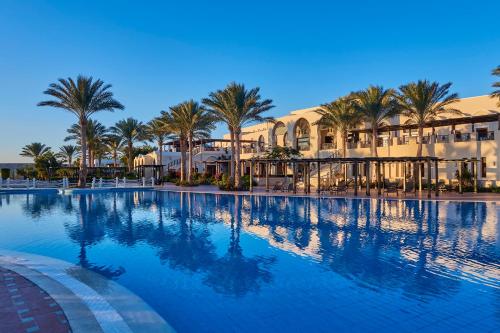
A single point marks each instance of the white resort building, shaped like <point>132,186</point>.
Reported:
<point>473,135</point>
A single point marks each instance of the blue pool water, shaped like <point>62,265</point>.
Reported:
<point>225,263</point>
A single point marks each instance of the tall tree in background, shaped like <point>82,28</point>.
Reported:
<point>96,134</point>
<point>114,144</point>
<point>423,101</point>
<point>375,105</point>
<point>496,93</point>
<point>189,120</point>
<point>238,107</point>
<point>67,153</point>
<point>341,115</point>
<point>34,150</point>
<point>131,130</point>
<point>83,97</point>
<point>157,133</point>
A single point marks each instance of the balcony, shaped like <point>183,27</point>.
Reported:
<point>462,137</point>
<point>485,136</point>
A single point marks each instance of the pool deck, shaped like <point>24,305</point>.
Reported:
<point>25,307</point>
<point>447,196</point>
<point>46,295</point>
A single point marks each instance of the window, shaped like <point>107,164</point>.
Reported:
<point>483,134</point>
<point>302,134</point>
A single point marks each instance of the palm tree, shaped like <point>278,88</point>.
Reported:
<point>83,98</point>
<point>34,150</point>
<point>114,144</point>
<point>157,133</point>
<point>237,107</point>
<point>423,101</point>
<point>96,134</point>
<point>67,153</point>
<point>375,105</point>
<point>340,115</point>
<point>189,120</point>
<point>496,93</point>
<point>131,130</point>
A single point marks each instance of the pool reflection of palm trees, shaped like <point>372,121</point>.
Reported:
<point>419,247</point>
<point>90,230</point>
<point>234,273</point>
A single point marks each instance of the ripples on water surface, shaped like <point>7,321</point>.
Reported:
<point>224,263</point>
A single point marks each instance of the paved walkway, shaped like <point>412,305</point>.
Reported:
<point>26,308</point>
<point>260,190</point>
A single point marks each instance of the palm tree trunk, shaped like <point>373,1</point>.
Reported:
<point>233,153</point>
<point>190,163</point>
<point>374,140</point>
<point>160,159</point>
<point>70,161</point>
<point>183,159</point>
<point>237,169</point>
<point>420,139</point>
<point>115,157</point>
<point>130,154</point>
<point>82,176</point>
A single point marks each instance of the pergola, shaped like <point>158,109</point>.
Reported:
<point>494,116</point>
<point>417,163</point>
<point>198,142</point>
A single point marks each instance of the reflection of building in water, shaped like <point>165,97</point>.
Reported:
<point>350,234</point>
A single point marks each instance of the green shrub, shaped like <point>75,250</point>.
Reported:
<point>5,173</point>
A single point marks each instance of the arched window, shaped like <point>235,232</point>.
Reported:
<point>302,135</point>
<point>279,131</point>
<point>261,143</point>
<point>285,139</point>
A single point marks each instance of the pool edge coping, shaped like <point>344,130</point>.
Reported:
<point>119,299</point>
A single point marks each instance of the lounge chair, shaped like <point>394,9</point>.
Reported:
<point>391,187</point>
<point>277,187</point>
<point>442,186</point>
<point>410,188</point>
<point>340,187</point>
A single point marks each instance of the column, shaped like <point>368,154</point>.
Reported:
<point>355,175</point>
<point>294,176</point>
<point>379,187</point>
<point>318,190</point>
<point>251,175</point>
<point>429,178</point>
<point>404,177</point>
<point>460,166</point>
<point>436,170</point>
<point>367,171</point>
<point>267,176</point>
<point>474,173</point>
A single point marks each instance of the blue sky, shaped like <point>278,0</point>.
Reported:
<point>300,53</point>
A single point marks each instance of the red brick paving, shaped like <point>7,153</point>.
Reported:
<point>26,308</point>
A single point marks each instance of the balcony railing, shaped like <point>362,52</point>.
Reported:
<point>404,140</point>
<point>328,145</point>
<point>442,138</point>
<point>365,144</point>
<point>463,137</point>
<point>248,150</point>
<point>485,136</point>
<point>426,140</point>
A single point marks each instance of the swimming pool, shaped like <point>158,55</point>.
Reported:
<point>225,263</point>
